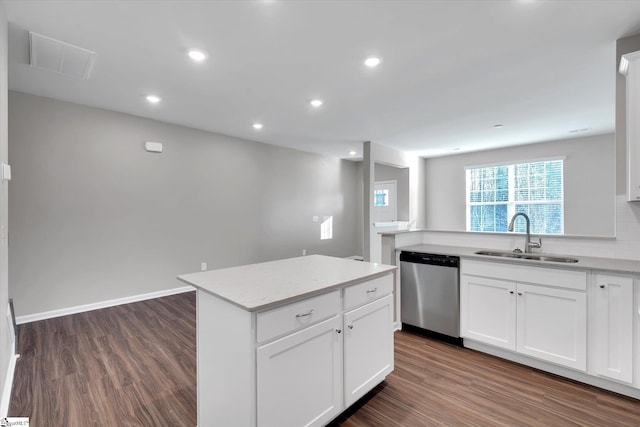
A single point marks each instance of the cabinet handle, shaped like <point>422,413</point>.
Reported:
<point>601,286</point>
<point>339,331</point>
<point>350,326</point>
<point>511,292</point>
<point>370,291</point>
<point>308,313</point>
<point>520,293</point>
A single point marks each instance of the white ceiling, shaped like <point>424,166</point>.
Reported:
<point>451,69</point>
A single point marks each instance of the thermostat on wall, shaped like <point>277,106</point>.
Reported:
<point>153,147</point>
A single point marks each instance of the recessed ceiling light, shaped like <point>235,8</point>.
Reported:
<point>316,103</point>
<point>372,61</point>
<point>257,126</point>
<point>498,126</point>
<point>197,55</point>
<point>153,99</point>
<point>352,153</point>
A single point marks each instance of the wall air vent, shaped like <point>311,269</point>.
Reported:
<point>61,57</point>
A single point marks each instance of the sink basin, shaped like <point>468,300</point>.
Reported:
<point>535,257</point>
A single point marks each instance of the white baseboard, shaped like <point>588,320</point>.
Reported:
<point>562,371</point>
<point>8,386</point>
<point>103,304</point>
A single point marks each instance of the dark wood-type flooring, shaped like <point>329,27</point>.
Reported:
<point>130,365</point>
<point>135,365</point>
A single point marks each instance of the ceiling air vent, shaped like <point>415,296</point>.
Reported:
<point>61,57</point>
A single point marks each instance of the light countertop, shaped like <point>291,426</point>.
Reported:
<point>260,286</point>
<point>584,263</point>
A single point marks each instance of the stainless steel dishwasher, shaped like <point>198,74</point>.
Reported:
<point>430,293</point>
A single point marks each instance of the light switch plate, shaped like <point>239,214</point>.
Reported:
<point>6,172</point>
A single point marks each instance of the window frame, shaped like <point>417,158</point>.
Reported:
<point>511,188</point>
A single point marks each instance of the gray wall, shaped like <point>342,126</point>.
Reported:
<point>6,348</point>
<point>589,183</point>
<point>623,46</point>
<point>94,217</point>
<point>401,176</point>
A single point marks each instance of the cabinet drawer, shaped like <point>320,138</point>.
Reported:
<point>297,315</point>
<point>548,276</point>
<point>370,290</point>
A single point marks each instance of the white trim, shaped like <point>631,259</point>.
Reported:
<point>562,371</point>
<point>625,60</point>
<point>516,162</point>
<point>103,304</point>
<point>8,386</point>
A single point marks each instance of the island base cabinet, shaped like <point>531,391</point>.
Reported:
<point>368,347</point>
<point>299,377</point>
<point>552,325</point>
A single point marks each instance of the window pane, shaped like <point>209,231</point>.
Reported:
<point>381,197</point>
<point>537,191</point>
<point>501,218</point>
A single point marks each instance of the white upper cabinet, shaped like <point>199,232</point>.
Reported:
<point>630,67</point>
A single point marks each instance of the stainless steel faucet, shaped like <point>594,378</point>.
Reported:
<point>528,244</point>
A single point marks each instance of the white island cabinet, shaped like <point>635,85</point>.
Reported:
<point>291,342</point>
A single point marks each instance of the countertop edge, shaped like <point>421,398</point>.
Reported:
<point>384,270</point>
<point>622,266</point>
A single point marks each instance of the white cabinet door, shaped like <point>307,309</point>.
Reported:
<point>552,325</point>
<point>368,347</point>
<point>299,377</point>
<point>488,311</point>
<point>613,326</point>
<point>630,67</point>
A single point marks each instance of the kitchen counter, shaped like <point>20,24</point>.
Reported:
<point>290,342</point>
<point>584,263</point>
<point>404,231</point>
<point>260,286</point>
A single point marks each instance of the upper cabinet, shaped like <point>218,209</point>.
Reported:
<point>630,67</point>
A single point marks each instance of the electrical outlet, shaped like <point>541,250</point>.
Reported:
<point>203,266</point>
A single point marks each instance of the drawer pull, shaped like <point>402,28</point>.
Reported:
<point>601,286</point>
<point>370,291</point>
<point>339,331</point>
<point>308,313</point>
<point>350,326</point>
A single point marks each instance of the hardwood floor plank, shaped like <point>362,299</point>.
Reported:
<point>135,365</point>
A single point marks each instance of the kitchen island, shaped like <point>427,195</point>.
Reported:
<point>291,342</point>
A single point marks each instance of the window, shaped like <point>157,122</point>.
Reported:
<point>381,197</point>
<point>326,228</point>
<point>496,193</point>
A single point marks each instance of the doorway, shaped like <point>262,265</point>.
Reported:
<point>385,207</point>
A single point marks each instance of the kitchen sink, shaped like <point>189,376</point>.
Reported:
<point>530,256</point>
